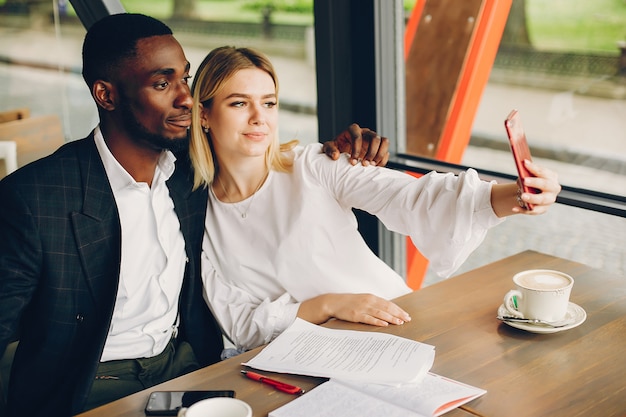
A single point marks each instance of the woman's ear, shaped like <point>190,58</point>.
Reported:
<point>102,92</point>
<point>204,119</point>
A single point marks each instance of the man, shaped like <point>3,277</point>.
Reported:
<point>100,242</point>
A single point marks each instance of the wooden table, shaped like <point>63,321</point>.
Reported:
<point>577,372</point>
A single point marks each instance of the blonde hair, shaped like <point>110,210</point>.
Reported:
<point>214,71</point>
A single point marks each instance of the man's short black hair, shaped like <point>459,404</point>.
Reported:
<point>114,38</point>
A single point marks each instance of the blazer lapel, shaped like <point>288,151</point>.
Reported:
<point>97,228</point>
<point>180,188</point>
<point>190,208</point>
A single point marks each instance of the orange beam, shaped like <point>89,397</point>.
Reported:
<point>416,263</point>
<point>456,135</point>
<point>474,76</point>
<point>411,26</point>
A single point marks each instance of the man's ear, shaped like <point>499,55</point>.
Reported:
<point>102,92</point>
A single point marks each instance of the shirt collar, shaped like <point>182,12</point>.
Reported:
<point>119,178</point>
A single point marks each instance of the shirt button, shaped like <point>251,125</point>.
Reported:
<point>79,318</point>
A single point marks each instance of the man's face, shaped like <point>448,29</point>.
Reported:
<point>154,99</point>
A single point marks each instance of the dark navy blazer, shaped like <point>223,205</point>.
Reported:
<point>60,250</point>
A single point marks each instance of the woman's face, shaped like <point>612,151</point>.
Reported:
<point>243,118</point>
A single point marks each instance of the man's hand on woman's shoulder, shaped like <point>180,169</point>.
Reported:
<point>363,144</point>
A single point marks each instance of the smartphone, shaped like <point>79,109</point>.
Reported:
<point>168,403</point>
<point>520,150</point>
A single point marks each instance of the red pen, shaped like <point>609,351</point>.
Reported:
<point>280,386</point>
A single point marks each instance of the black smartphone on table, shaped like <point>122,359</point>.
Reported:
<point>168,403</point>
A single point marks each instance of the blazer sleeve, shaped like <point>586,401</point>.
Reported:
<point>59,268</point>
<point>20,264</point>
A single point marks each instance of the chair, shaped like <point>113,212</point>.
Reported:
<point>8,157</point>
<point>14,114</point>
<point>5,372</point>
<point>34,137</point>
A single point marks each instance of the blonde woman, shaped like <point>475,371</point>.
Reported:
<point>280,236</point>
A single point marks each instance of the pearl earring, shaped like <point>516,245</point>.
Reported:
<point>206,129</point>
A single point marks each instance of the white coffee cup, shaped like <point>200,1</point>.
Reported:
<point>540,294</point>
<point>217,407</point>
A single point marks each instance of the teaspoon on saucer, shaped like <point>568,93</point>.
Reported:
<point>560,323</point>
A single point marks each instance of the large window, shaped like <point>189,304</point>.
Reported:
<point>562,64</point>
<point>40,53</point>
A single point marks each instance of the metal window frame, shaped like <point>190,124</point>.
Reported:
<point>360,78</point>
<point>571,196</point>
<point>90,11</point>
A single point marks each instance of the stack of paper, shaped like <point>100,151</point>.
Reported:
<point>373,374</point>
<point>307,349</point>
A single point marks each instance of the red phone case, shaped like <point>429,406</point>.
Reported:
<point>520,150</point>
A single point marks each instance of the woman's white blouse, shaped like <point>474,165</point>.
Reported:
<point>300,238</point>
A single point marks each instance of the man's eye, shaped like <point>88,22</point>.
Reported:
<point>187,78</point>
<point>237,104</point>
<point>161,85</point>
<point>270,104</point>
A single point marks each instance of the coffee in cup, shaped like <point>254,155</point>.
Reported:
<point>540,294</point>
<point>217,407</point>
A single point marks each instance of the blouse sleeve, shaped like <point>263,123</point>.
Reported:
<point>246,320</point>
<point>447,216</point>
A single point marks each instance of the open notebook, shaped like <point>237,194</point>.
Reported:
<point>433,396</point>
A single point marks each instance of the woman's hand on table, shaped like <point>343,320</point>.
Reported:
<point>358,308</point>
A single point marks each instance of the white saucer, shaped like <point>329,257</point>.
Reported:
<point>574,312</point>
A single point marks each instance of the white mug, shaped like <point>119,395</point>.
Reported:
<point>540,294</point>
<point>217,407</point>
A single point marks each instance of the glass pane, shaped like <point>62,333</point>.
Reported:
<point>282,30</point>
<point>562,64</point>
<point>584,236</point>
<point>40,49</point>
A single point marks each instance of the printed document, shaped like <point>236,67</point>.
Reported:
<point>381,358</point>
